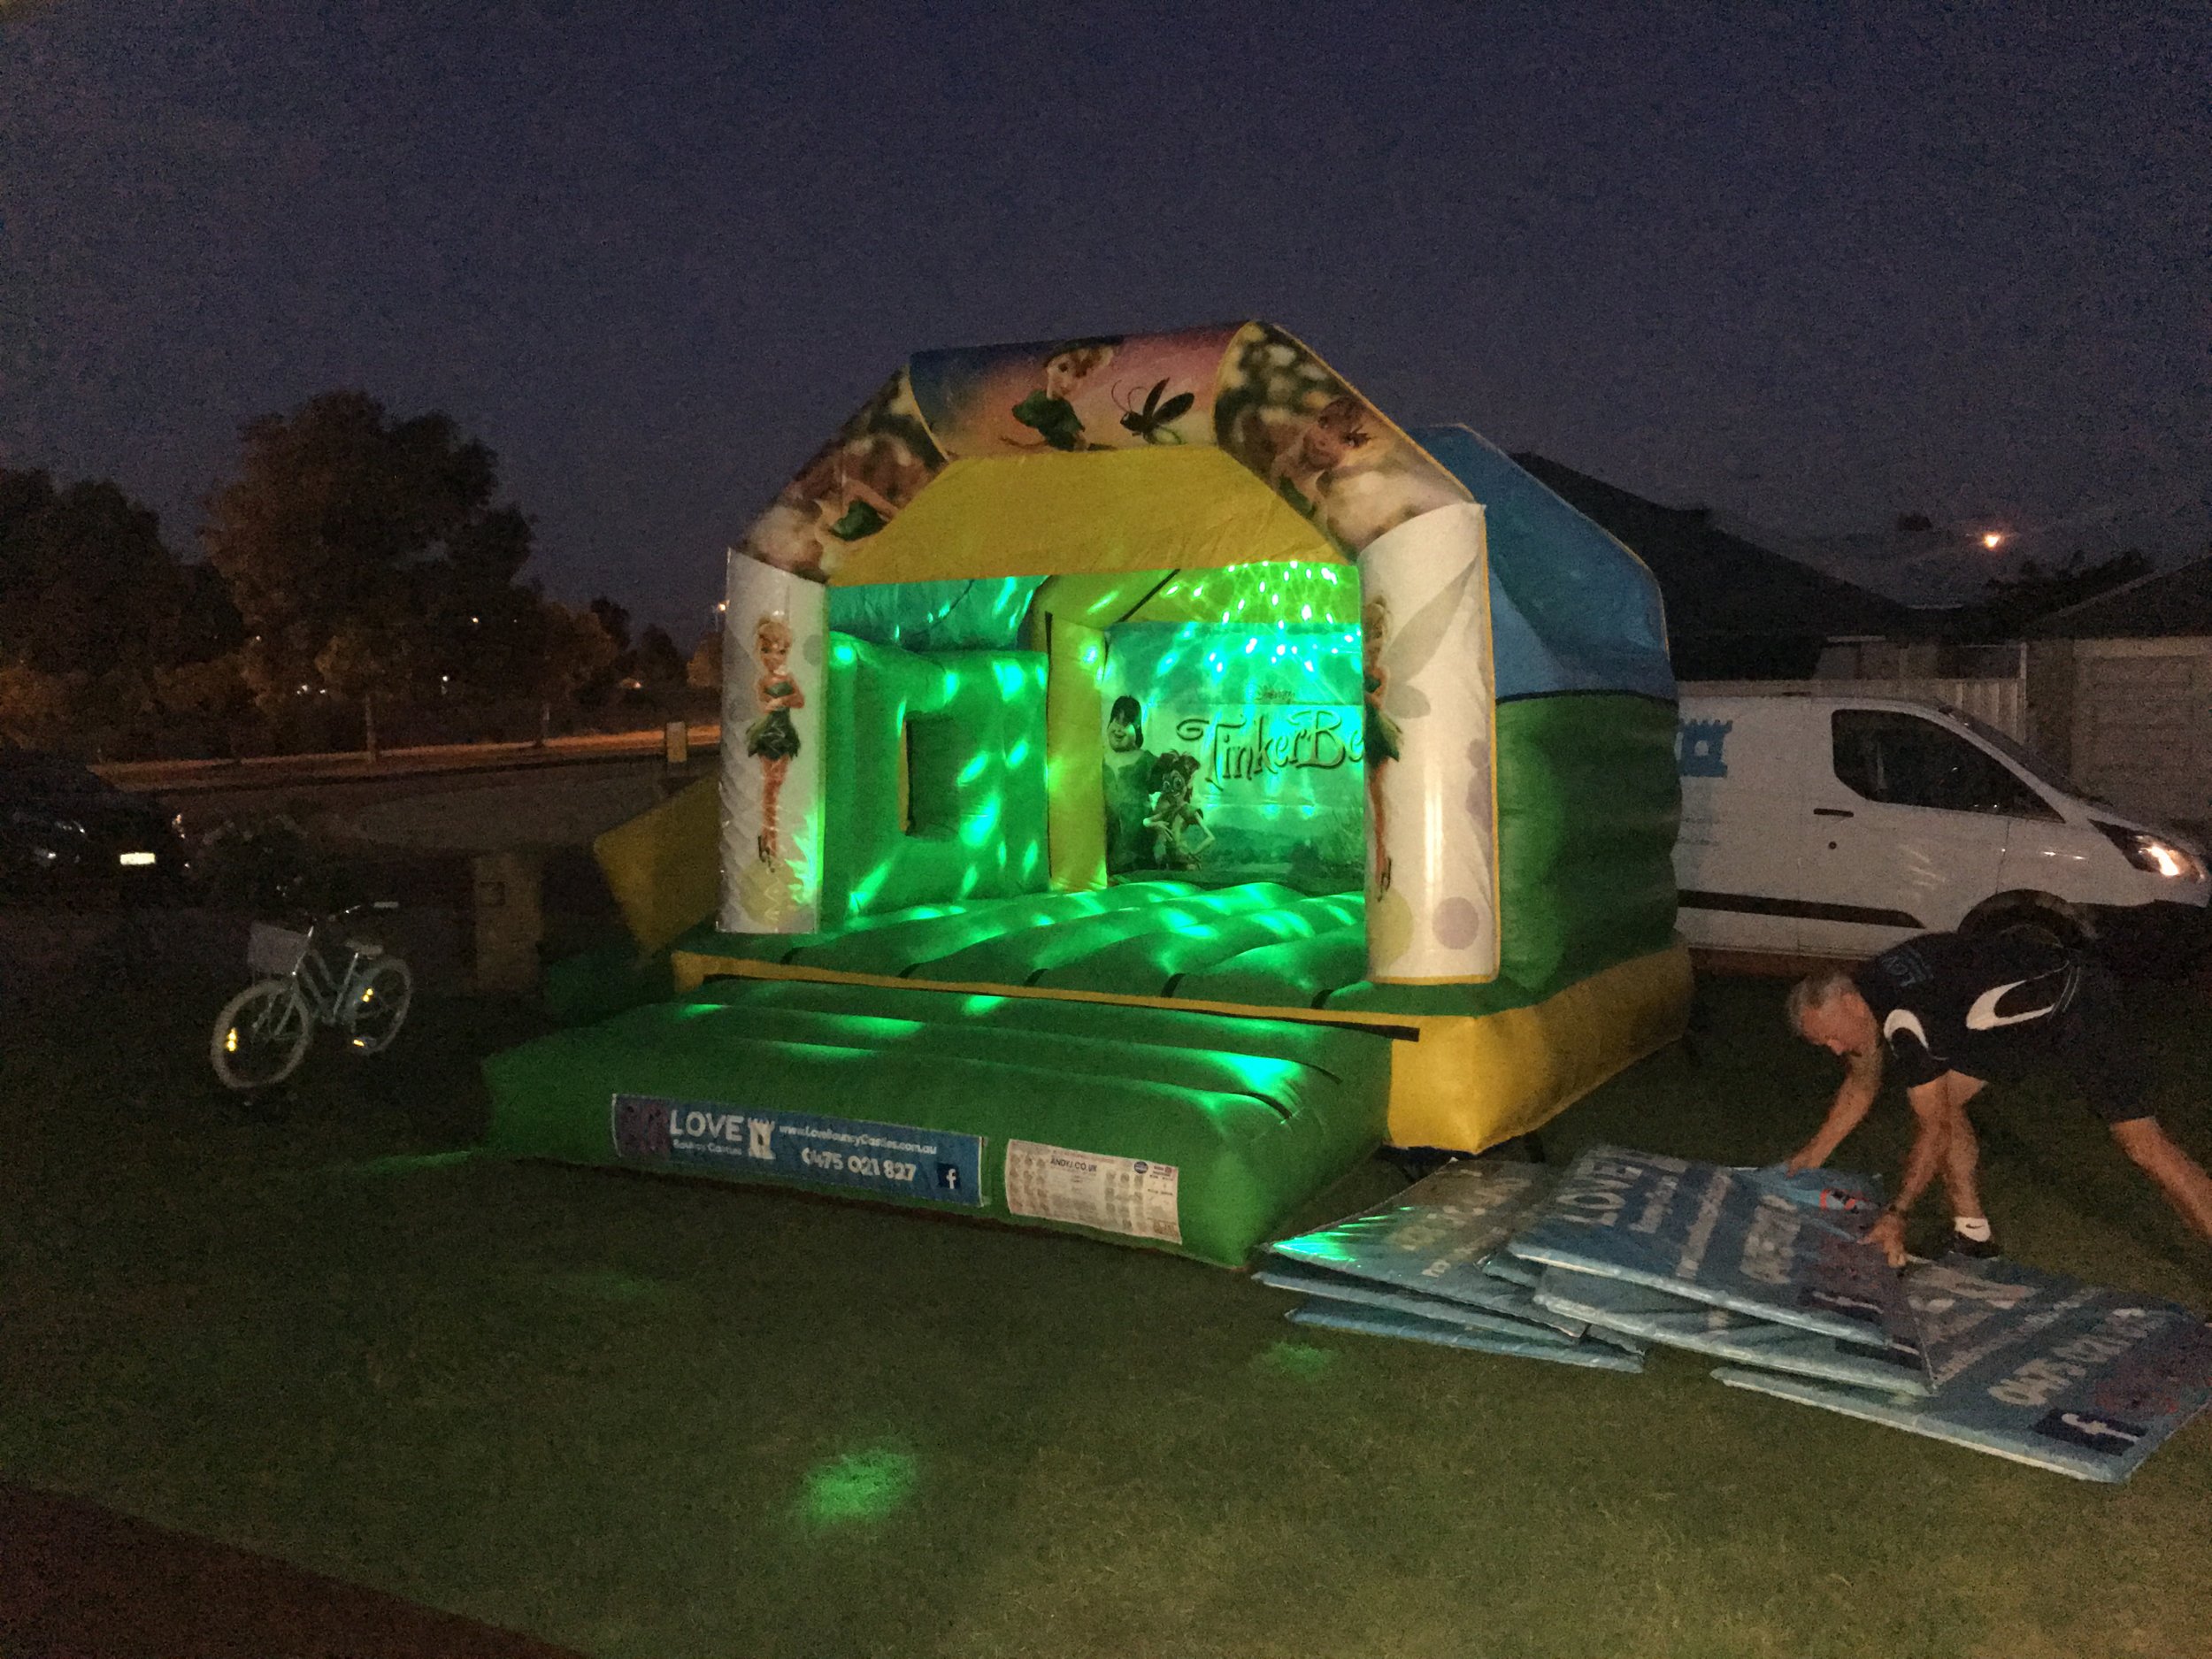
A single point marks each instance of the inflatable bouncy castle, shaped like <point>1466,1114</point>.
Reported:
<point>1148,779</point>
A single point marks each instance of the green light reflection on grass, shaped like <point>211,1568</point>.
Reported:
<point>409,1164</point>
<point>858,1486</point>
<point>1302,1360</point>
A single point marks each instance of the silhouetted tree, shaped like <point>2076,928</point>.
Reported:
<point>658,662</point>
<point>705,671</point>
<point>89,592</point>
<point>576,649</point>
<point>613,618</point>
<point>97,614</point>
<point>343,519</point>
<point>364,662</point>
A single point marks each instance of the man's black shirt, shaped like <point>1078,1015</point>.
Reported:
<point>1989,1006</point>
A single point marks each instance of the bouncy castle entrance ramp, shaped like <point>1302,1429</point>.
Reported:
<point>1189,1132</point>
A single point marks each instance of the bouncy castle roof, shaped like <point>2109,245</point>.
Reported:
<point>1119,456</point>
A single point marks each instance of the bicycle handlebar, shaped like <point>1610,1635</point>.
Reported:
<point>356,910</point>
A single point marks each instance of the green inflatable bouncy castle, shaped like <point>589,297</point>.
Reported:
<point>1149,779</point>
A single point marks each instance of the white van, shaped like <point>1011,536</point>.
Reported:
<point>1835,825</point>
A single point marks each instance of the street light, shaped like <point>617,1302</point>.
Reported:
<point>1992,538</point>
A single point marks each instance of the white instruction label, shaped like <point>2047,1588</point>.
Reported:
<point>1113,1195</point>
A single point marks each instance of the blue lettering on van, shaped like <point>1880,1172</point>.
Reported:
<point>1701,748</point>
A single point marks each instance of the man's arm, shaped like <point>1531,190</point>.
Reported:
<point>1932,1110</point>
<point>1860,1084</point>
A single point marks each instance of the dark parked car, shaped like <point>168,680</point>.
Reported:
<point>65,830</point>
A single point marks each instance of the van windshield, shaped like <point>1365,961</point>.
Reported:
<point>2040,767</point>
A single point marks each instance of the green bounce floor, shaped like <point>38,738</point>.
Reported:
<point>1256,943</point>
<point>1191,1132</point>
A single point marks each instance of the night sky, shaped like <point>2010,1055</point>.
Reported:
<point>1811,270</point>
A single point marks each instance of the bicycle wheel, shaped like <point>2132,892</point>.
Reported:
<point>261,1036</point>
<point>378,1007</point>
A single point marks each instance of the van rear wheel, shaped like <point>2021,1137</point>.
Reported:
<point>2044,923</point>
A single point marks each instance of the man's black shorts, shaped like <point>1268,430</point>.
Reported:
<point>2098,1053</point>
<point>2092,1043</point>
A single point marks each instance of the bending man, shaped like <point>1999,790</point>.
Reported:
<point>1956,1012</point>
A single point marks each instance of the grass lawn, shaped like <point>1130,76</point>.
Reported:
<point>651,1417</point>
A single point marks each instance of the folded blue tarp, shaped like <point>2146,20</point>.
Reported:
<point>1320,1284</point>
<point>1435,1238</point>
<point>1614,1304</point>
<point>1734,1239</point>
<point>2034,1367</point>
<point>1341,1315</point>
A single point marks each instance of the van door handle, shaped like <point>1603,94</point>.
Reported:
<point>1832,812</point>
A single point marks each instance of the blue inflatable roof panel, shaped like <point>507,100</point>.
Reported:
<point>1570,607</point>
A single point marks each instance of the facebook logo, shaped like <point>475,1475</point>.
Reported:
<point>2088,1428</point>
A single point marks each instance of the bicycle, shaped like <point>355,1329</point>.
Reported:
<point>332,974</point>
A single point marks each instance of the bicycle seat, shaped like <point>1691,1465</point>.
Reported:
<point>364,948</point>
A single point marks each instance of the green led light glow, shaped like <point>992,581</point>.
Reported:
<point>971,727</point>
<point>857,1487</point>
<point>1269,722</point>
<point>406,1164</point>
<point>936,792</point>
<point>1300,1360</point>
<point>965,614</point>
<point>1257,594</point>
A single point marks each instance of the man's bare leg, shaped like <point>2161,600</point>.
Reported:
<point>2180,1179</point>
<point>1961,1151</point>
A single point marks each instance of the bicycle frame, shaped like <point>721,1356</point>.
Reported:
<point>323,975</point>
<point>327,983</point>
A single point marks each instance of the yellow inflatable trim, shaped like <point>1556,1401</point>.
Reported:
<point>1469,1084</point>
<point>663,867</point>
<point>1170,507</point>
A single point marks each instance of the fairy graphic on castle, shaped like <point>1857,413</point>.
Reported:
<point>1306,468</point>
<point>851,486</point>
<point>1050,411</point>
<point>1391,657</point>
<point>773,739</point>
<point>1175,818</point>
<point>1385,741</point>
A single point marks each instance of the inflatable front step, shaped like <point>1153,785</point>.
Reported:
<point>1189,1132</point>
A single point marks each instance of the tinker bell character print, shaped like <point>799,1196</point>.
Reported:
<point>855,486</point>
<point>772,738</point>
<point>1176,819</point>
<point>1050,411</point>
<point>1390,659</point>
<point>1384,740</point>
<point>1305,469</point>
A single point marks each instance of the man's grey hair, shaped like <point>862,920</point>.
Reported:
<point>1816,990</point>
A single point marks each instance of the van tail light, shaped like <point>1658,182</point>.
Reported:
<point>2153,854</point>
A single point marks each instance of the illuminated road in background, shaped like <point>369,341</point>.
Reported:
<point>183,778</point>
<point>463,797</point>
